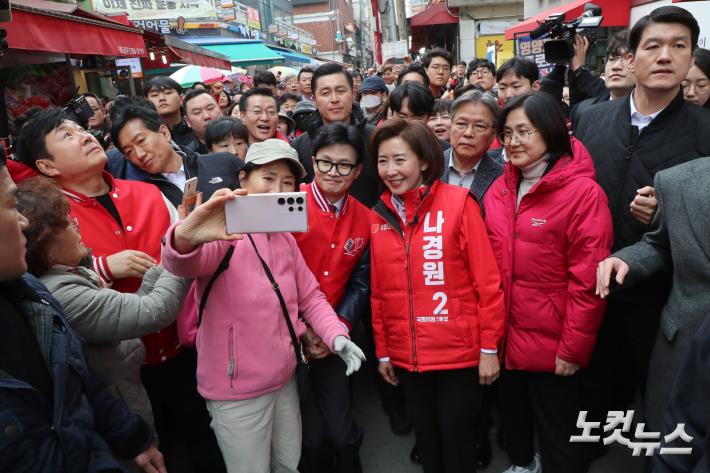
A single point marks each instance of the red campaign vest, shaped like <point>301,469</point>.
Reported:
<point>333,245</point>
<point>436,296</point>
<point>145,219</point>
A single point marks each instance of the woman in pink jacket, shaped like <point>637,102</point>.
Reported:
<point>246,359</point>
<point>549,225</point>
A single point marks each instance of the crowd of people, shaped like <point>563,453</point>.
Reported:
<point>517,249</point>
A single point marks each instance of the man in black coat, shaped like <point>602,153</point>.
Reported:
<point>150,156</point>
<point>333,86</point>
<point>631,140</point>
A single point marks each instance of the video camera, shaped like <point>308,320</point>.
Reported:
<point>78,110</point>
<point>560,49</point>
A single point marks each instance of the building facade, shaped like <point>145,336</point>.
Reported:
<point>332,24</point>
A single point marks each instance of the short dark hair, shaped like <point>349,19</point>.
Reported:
<point>265,78</point>
<point>701,58</point>
<point>419,137</point>
<point>284,97</point>
<point>223,128</point>
<point>305,70</point>
<point>459,91</point>
<point>329,69</point>
<point>336,134</point>
<point>666,14</point>
<point>127,112</point>
<point>46,208</point>
<point>521,67</point>
<point>441,106</point>
<point>30,145</point>
<point>547,116</point>
<point>207,87</point>
<point>191,94</point>
<point>437,52</point>
<point>619,44</point>
<point>462,63</point>
<point>355,74</point>
<point>93,96</point>
<point>415,68</point>
<point>244,101</point>
<point>420,102</point>
<point>478,63</point>
<point>161,83</point>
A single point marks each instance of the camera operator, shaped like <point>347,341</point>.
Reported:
<point>97,122</point>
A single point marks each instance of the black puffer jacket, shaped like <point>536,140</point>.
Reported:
<point>626,160</point>
<point>366,187</point>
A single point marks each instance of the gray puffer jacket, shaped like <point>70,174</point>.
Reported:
<point>111,322</point>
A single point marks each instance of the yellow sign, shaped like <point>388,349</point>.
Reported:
<point>505,49</point>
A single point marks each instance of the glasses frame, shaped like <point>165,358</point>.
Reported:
<point>481,71</point>
<point>507,141</point>
<point>331,164</point>
<point>455,125</point>
<point>259,113</point>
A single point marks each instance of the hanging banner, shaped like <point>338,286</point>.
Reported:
<point>159,9</point>
<point>534,49</point>
<point>253,18</point>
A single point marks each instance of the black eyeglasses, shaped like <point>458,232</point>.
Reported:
<point>343,169</point>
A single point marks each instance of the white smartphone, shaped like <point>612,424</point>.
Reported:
<point>267,213</point>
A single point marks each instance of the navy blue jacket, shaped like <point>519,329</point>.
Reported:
<point>85,423</point>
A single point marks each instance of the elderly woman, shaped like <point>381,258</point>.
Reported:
<point>110,322</point>
<point>246,357</point>
<point>468,163</point>
<point>290,82</point>
<point>437,304</point>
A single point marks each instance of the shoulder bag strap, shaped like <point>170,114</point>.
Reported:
<point>224,264</point>
<point>300,357</point>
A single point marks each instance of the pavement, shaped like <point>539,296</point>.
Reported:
<point>384,452</point>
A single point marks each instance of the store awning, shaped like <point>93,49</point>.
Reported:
<point>293,56</point>
<point>615,13</point>
<point>45,30</point>
<point>245,54</point>
<point>435,14</point>
<point>197,55</point>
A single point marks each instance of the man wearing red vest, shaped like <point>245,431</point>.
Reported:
<point>123,222</point>
<point>336,250</point>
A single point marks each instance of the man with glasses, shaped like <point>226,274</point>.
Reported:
<point>336,250</point>
<point>259,111</point>
<point>482,72</point>
<point>97,122</point>
<point>438,64</point>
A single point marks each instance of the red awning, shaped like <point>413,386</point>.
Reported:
<point>191,54</point>
<point>32,29</point>
<point>615,13</point>
<point>435,14</point>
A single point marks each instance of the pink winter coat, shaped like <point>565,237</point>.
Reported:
<point>548,255</point>
<point>243,344</point>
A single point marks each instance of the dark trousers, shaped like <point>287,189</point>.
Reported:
<point>547,405</point>
<point>628,332</point>
<point>444,405</point>
<point>181,419</point>
<point>331,438</point>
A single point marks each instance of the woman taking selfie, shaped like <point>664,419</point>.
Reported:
<point>246,358</point>
<point>437,305</point>
<point>549,224</point>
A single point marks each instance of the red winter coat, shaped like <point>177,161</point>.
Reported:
<point>548,255</point>
<point>436,293</point>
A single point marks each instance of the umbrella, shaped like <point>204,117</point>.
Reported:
<point>188,75</point>
<point>284,70</point>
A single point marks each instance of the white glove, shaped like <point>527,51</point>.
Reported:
<point>349,352</point>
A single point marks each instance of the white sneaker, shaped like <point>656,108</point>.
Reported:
<point>536,467</point>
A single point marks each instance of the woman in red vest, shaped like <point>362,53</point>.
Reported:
<point>437,303</point>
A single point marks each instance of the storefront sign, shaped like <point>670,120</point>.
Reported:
<point>159,26</point>
<point>533,49</point>
<point>253,18</point>
<point>153,9</point>
<point>504,49</point>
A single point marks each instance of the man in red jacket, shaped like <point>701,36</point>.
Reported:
<point>336,251</point>
<point>123,222</point>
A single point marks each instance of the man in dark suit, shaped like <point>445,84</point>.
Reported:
<point>677,242</point>
<point>468,163</point>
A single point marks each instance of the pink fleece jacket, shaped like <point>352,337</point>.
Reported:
<point>243,345</point>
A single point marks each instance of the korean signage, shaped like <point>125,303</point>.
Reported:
<point>253,18</point>
<point>158,9</point>
<point>533,49</point>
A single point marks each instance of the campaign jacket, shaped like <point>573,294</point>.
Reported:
<point>436,293</point>
<point>243,345</point>
<point>85,424</point>
<point>335,250</point>
<point>146,217</point>
<point>548,253</point>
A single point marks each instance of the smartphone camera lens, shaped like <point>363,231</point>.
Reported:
<point>300,209</point>
<point>290,200</point>
<point>299,200</point>
<point>290,209</point>
<point>281,201</point>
